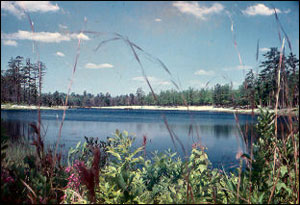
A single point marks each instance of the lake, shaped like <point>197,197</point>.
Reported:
<point>216,131</point>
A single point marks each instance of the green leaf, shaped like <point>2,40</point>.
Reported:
<point>135,152</point>
<point>115,154</point>
<point>281,185</point>
<point>121,181</point>
<point>125,133</point>
<point>71,151</point>
<point>78,145</point>
<point>261,197</point>
<point>202,167</point>
<point>283,170</point>
<point>112,169</point>
<point>197,152</point>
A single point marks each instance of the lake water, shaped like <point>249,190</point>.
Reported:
<point>216,131</point>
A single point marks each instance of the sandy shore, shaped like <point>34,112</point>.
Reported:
<point>208,108</point>
<point>29,107</point>
<point>184,108</point>
<point>146,107</point>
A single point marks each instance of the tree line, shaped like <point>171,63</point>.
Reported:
<point>261,88</point>
<point>20,81</point>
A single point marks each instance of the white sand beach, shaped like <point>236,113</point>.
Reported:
<point>208,108</point>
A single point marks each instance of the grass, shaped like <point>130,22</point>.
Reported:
<point>17,151</point>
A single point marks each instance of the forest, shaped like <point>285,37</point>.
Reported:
<point>20,83</point>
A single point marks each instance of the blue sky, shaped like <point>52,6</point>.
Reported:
<point>193,39</point>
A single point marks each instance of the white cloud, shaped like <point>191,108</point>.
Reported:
<point>200,12</point>
<point>152,80</point>
<point>259,9</point>
<point>99,66</point>
<point>264,49</point>
<point>45,37</point>
<point>10,7</point>
<point>37,6</point>
<point>287,11</point>
<point>10,43</point>
<point>204,72</point>
<point>17,8</point>
<point>58,53</point>
<point>157,20</point>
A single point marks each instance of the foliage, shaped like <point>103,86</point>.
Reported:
<point>116,172</point>
<point>34,179</point>
<point>275,162</point>
<point>129,178</point>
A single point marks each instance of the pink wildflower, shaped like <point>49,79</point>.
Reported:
<point>68,169</point>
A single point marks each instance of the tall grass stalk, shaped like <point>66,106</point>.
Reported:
<point>278,85</point>
<point>66,101</point>
<point>35,50</point>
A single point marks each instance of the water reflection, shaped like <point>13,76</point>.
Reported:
<point>18,129</point>
<point>222,130</point>
<point>218,132</point>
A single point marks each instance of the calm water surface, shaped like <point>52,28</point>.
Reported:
<point>216,131</point>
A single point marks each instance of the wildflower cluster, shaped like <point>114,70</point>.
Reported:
<point>74,178</point>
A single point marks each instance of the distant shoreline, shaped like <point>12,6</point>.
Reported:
<point>209,108</point>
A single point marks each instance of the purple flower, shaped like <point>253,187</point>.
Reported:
<point>68,169</point>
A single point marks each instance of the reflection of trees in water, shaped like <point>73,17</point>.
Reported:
<point>222,130</point>
<point>18,129</point>
<point>21,132</point>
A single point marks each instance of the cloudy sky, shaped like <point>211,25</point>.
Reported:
<point>195,40</point>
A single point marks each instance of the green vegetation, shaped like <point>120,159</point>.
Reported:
<point>115,172</point>
<point>19,84</point>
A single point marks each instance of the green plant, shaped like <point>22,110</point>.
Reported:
<point>121,181</point>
